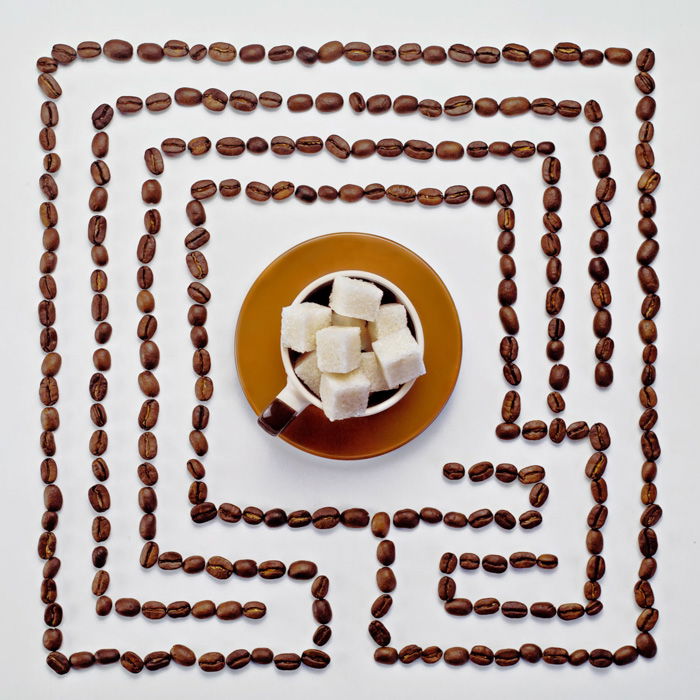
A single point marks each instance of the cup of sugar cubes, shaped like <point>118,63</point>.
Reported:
<point>351,344</point>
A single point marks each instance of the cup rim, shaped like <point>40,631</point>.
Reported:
<point>401,297</point>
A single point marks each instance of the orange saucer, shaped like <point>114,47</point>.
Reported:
<point>257,343</point>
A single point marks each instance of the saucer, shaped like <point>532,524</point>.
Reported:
<point>257,343</point>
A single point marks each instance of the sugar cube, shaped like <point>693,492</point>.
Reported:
<point>339,320</point>
<point>344,395</point>
<point>300,322</point>
<point>355,298</point>
<point>306,368</point>
<point>371,369</point>
<point>399,357</point>
<point>390,318</point>
<point>338,349</point>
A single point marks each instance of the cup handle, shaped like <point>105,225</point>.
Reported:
<point>283,409</point>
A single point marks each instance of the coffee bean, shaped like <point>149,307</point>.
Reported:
<point>380,524</point>
<point>456,656</point>
<point>328,102</point>
<point>516,53</point>
<point>118,50</point>
<point>58,663</point>
<point>458,106</point>
<point>379,633</point>
<point>555,655</point>
<point>453,471</point>
<point>381,605</point>
<point>480,518</point>
<point>534,430</point>
<point>405,104</point>
<point>410,653</point>
<point>386,581</point>
<point>530,519</point>
<point>104,657</point>
<point>127,607</point>
<point>512,106</point>
<point>494,563</point>
<point>410,52</point>
<point>514,610</point>
<point>49,85</point>
<point>481,655</point>
<point>321,637</point>
<point>455,519</point>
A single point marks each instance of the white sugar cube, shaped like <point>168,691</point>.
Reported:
<point>338,349</point>
<point>355,298</point>
<point>300,322</point>
<point>390,318</point>
<point>306,368</point>
<point>399,357</point>
<point>338,320</point>
<point>344,395</point>
<point>371,369</point>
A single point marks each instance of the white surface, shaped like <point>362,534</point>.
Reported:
<point>245,465</point>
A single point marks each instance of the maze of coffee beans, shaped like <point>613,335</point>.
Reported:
<point>380,523</point>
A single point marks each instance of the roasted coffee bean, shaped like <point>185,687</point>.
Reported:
<point>386,581</point>
<point>455,519</point>
<point>379,633</point>
<point>458,106</point>
<point>256,145</point>
<point>512,106</point>
<point>328,102</point>
<point>212,661</point>
<point>555,655</point>
<point>127,607</point>
<point>530,519</point>
<point>178,609</point>
<point>410,653</point>
<point>516,53</point>
<point>434,55</point>
<point>480,518</point>
<point>405,104</point>
<point>298,518</point>
<point>153,610</point>
<point>544,106</point>
<point>219,567</point>
<point>410,52</point>
<point>494,563</point>
<point>406,518</point>
<point>534,430</point>
<point>453,471</point>
<point>448,563</point>
<point>514,610</point>
<point>106,656</point>
<point>569,109</point>
<point>507,431</point>
<point>325,518</point>
<point>477,149</point>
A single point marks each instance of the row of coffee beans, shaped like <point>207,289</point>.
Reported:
<point>202,610</point>
<point>507,473</point>
<point>149,357</point>
<point>48,387</point>
<point>530,653</point>
<point>495,563</point>
<point>216,100</point>
<point>98,495</point>
<point>183,656</point>
<point>598,270</point>
<point>416,149</point>
<point>354,51</point>
<point>647,540</point>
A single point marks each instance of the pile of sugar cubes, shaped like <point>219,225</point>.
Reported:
<point>351,348</point>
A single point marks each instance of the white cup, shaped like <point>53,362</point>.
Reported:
<point>295,396</point>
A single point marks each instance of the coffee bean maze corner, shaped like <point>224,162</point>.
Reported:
<point>380,523</point>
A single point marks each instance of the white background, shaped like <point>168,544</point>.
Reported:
<point>244,465</point>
